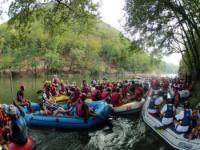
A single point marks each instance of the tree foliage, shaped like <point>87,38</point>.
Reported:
<point>172,26</point>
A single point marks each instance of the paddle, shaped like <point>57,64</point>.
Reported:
<point>39,91</point>
<point>16,105</point>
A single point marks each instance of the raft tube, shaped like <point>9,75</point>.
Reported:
<point>128,108</point>
<point>28,146</point>
<point>102,110</point>
<point>60,98</point>
<point>169,134</point>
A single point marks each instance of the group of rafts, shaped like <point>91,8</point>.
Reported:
<point>177,139</point>
<point>101,107</point>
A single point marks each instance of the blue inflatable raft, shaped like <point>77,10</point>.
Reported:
<point>102,109</point>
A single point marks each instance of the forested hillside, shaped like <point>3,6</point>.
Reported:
<point>74,50</point>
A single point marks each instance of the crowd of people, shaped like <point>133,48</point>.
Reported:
<point>116,93</point>
<point>163,104</point>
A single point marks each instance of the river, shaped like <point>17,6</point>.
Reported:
<point>128,132</point>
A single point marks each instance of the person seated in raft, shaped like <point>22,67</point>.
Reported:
<point>167,112</point>
<point>53,89</point>
<point>82,109</point>
<point>4,129</point>
<point>21,99</point>
<point>176,98</point>
<point>183,119</point>
<point>49,106</point>
<point>96,94</point>
<point>154,105</point>
<point>17,125</point>
<point>116,98</point>
<point>85,88</point>
<point>105,95</point>
<point>195,131</point>
<point>62,89</point>
<point>75,93</point>
<point>124,91</point>
<point>56,80</point>
<point>195,116</point>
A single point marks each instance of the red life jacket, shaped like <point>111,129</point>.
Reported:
<point>79,108</point>
<point>53,90</point>
<point>62,89</point>
<point>82,109</point>
<point>115,99</point>
<point>104,94</point>
<point>138,94</point>
<point>141,91</point>
<point>96,95</point>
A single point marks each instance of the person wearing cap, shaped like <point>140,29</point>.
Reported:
<point>167,112</point>
<point>183,119</point>
<point>21,98</point>
<point>17,125</point>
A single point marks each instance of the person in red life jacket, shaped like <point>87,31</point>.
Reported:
<point>105,95</point>
<point>21,99</point>
<point>4,120</point>
<point>56,80</point>
<point>141,89</point>
<point>82,109</point>
<point>131,93</point>
<point>124,91</point>
<point>75,93</point>
<point>84,87</point>
<point>116,98</point>
<point>114,87</point>
<point>137,94</point>
<point>165,85</point>
<point>176,98</point>
<point>62,89</point>
<point>96,94</point>
<point>53,90</point>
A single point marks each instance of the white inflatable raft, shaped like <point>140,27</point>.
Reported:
<point>169,135</point>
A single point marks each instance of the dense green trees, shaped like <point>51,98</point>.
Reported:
<point>170,25</point>
<point>67,36</point>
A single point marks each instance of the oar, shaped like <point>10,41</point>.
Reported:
<point>39,91</point>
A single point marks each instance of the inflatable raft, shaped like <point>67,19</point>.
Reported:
<point>60,98</point>
<point>127,108</point>
<point>101,108</point>
<point>13,146</point>
<point>176,140</point>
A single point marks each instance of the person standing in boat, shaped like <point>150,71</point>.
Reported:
<point>168,112</point>
<point>21,98</point>
<point>183,119</point>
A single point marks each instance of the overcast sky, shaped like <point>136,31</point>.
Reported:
<point>111,12</point>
